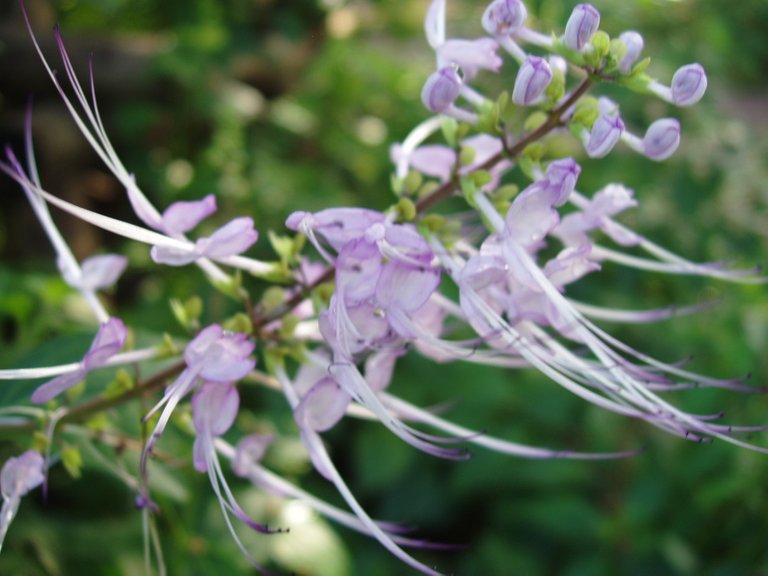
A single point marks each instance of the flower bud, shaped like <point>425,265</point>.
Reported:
<point>503,16</point>
<point>688,85</point>
<point>606,132</point>
<point>634,43</point>
<point>532,79</point>
<point>582,25</point>
<point>562,175</point>
<point>441,89</point>
<point>662,139</point>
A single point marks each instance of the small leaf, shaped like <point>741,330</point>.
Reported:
<point>72,460</point>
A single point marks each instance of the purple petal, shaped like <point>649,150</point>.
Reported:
<point>470,55</point>
<point>531,81</point>
<point>233,238</point>
<point>98,272</point>
<point>20,474</point>
<point>357,271</point>
<point>340,225</point>
<point>181,217</point>
<point>214,408</point>
<point>322,407</point>
<point>200,452</point>
<point>581,26</point>
<point>250,450</point>
<point>54,387</point>
<point>109,341</point>
<point>605,133</point>
<point>406,287</point>
<point>502,17</point>
<point>173,256</point>
<point>141,206</point>
<point>531,216</point>
<point>441,89</point>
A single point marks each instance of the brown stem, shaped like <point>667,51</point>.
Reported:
<point>553,121</point>
<point>87,409</point>
<point>445,191</point>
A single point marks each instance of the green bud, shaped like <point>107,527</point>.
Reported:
<point>412,182</point>
<point>586,111</point>
<point>406,210</point>
<point>240,322</point>
<point>480,178</point>
<point>72,460</point>
<point>535,120</point>
<point>466,155</point>
<point>273,297</point>
<point>601,42</point>
<point>450,128</point>
<point>120,385</point>
<point>535,151</point>
<point>427,188</point>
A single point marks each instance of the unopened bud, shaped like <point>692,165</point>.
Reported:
<point>441,89</point>
<point>606,132</point>
<point>634,43</point>
<point>582,25</point>
<point>503,16</point>
<point>532,79</point>
<point>662,139</point>
<point>688,85</point>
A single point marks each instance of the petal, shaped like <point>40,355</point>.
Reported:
<point>250,450</point>
<point>98,272</point>
<point>434,23</point>
<point>357,271</point>
<point>406,287</point>
<point>214,408</point>
<point>54,387</point>
<point>21,474</point>
<point>181,217</point>
<point>109,341</point>
<point>174,256</point>
<point>322,406</point>
<point>231,239</point>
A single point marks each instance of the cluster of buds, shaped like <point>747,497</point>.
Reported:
<point>374,290</point>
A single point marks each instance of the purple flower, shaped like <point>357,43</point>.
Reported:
<point>231,239</point>
<point>689,84</point>
<point>96,272</point>
<point>532,80</point>
<point>213,356</point>
<point>470,55</point>
<point>19,475</point>
<point>109,340</point>
<point>597,214</point>
<point>605,133</point>
<point>581,26</point>
<point>661,139</point>
<point>502,17</point>
<point>441,89</point>
<point>562,175</point>
<point>634,43</point>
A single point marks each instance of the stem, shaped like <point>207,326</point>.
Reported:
<point>87,409</point>
<point>443,192</point>
<point>553,121</point>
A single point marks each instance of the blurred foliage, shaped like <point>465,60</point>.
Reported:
<point>277,106</point>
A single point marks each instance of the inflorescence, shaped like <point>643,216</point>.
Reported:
<point>332,353</point>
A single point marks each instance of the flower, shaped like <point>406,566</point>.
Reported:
<point>581,26</point>
<point>19,475</point>
<point>109,340</point>
<point>532,80</point>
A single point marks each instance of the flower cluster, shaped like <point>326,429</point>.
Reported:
<point>375,286</point>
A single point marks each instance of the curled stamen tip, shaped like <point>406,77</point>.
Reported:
<point>145,502</point>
